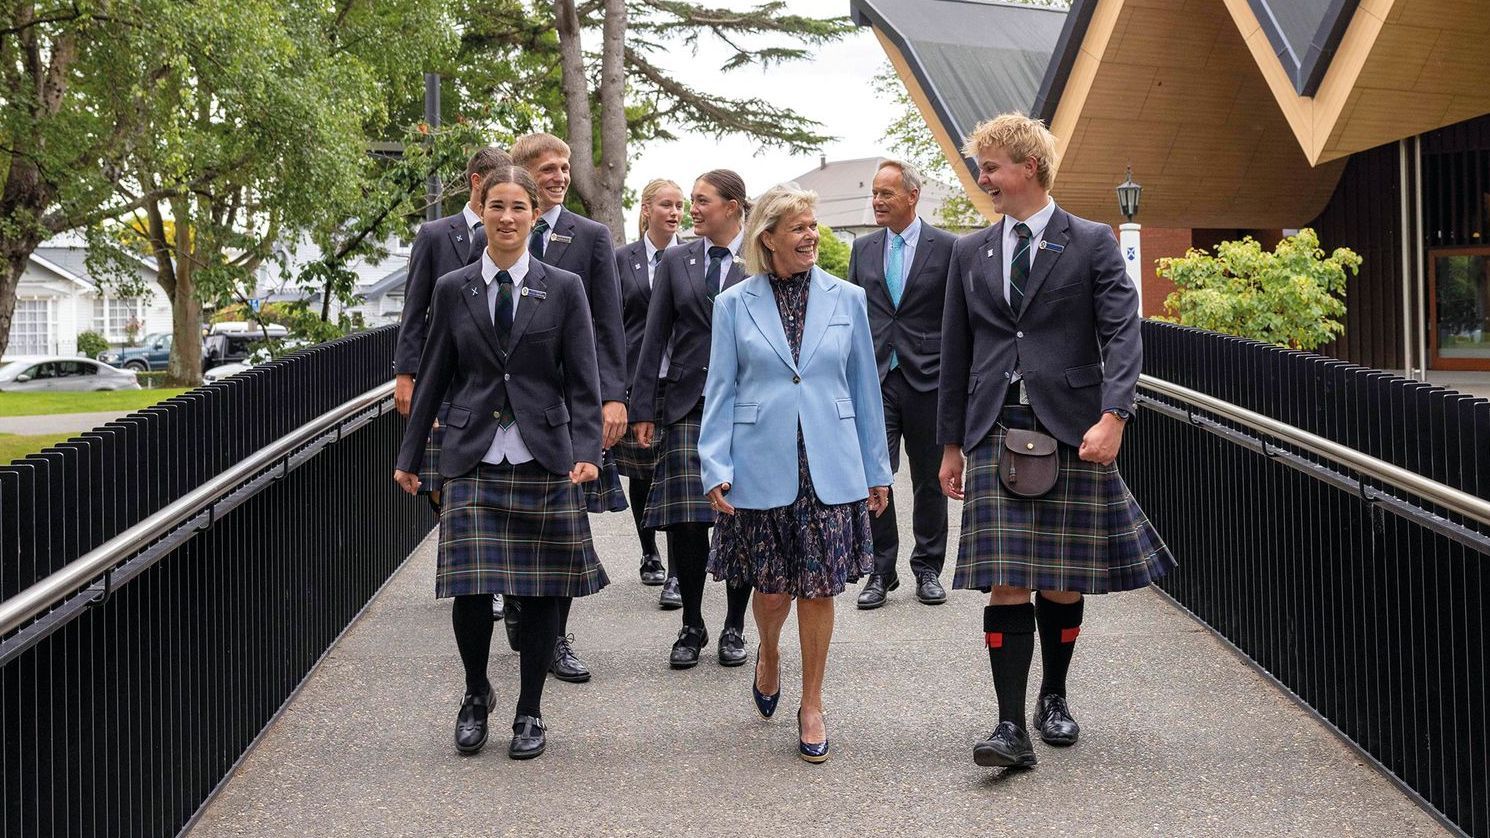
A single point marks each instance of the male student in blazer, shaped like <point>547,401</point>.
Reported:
<point>584,247</point>
<point>905,315</point>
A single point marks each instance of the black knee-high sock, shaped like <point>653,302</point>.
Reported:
<point>688,547</point>
<point>637,491</point>
<point>536,650</point>
<point>1059,625</point>
<point>1009,631</point>
<point>470,616</point>
<point>564,603</point>
<point>739,601</point>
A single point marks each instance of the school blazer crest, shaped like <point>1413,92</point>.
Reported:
<point>756,396</point>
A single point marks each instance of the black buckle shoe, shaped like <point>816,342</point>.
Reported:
<point>731,647</point>
<point>685,649</point>
<point>470,722</point>
<point>671,598</point>
<point>1053,721</point>
<point>929,591</point>
<point>565,666</point>
<point>875,591</point>
<point>528,739</point>
<point>511,620</point>
<point>1007,747</point>
<point>652,571</point>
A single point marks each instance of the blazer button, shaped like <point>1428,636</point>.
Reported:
<point>796,379</point>
<point>1019,334</point>
<point>506,376</point>
<point>496,414</point>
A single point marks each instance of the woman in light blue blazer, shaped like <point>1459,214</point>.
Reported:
<point>792,445</point>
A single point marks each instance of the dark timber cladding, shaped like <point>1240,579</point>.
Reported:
<point>973,59</point>
<point>1304,35</point>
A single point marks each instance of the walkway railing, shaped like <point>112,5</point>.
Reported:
<point>167,580</point>
<point>1333,523</point>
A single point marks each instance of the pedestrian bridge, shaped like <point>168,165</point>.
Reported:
<point>217,618</point>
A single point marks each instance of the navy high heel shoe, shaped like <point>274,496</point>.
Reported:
<point>813,752</point>
<point>765,704</point>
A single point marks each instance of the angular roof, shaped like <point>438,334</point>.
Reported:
<point>945,52</point>
<point>1304,35</point>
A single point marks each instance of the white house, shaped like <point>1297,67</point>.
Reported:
<point>843,188</point>
<point>56,300</point>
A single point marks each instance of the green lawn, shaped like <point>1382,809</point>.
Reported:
<point>13,447</point>
<point>46,404</point>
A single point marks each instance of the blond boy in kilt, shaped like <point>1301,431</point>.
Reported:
<point>1040,332</point>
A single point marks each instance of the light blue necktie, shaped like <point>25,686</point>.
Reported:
<point>895,280</point>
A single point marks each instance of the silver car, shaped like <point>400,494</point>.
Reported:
<point>62,373</point>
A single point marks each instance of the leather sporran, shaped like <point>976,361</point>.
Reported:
<point>1028,466</point>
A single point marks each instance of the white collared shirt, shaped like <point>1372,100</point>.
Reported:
<point>552,217</point>
<point>507,444</point>
<point>652,252</point>
<point>472,219</point>
<point>1037,224</point>
<point>911,234</point>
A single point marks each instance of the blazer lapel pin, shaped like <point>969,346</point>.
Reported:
<point>534,293</point>
<point>1051,246</point>
<point>636,267</point>
<point>555,237</point>
<point>693,261</point>
<point>990,253</point>
<point>459,237</point>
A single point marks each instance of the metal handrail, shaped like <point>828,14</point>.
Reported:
<point>1440,494</point>
<point>81,573</point>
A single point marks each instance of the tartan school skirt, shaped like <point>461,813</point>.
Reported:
<point>634,461</point>
<point>605,493</point>
<point>430,479</point>
<point>1087,534</point>
<point>677,495</point>
<point>519,530</point>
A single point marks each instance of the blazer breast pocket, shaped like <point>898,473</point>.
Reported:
<point>840,320</point>
<point>542,335</point>
<point>1063,291</point>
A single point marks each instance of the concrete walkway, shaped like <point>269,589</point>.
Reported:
<point>1180,737</point>
<point>57,423</point>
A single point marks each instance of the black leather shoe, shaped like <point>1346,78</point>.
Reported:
<point>528,738</point>
<point>470,722</point>
<point>511,617</point>
<point>929,591</point>
<point>1053,721</point>
<point>1006,747</point>
<point>652,571</point>
<point>565,666</point>
<point>731,647</point>
<point>875,590</point>
<point>685,648</point>
<point>498,607</point>
<point>671,598</point>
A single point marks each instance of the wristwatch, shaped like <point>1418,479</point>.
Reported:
<point>1124,415</point>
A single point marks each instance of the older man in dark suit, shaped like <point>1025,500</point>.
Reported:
<point>1040,334</point>
<point>903,270</point>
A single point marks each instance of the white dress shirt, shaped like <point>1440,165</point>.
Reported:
<point>552,217</point>
<point>472,219</point>
<point>507,445</point>
<point>1037,224</point>
<point>652,251</point>
<point>911,234</point>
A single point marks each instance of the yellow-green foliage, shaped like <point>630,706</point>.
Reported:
<point>1293,296</point>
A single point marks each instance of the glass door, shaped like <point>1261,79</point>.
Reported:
<point>1459,281</point>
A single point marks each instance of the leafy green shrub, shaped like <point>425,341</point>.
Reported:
<point>152,380</point>
<point>1294,296</point>
<point>832,252</point>
<point>91,344</point>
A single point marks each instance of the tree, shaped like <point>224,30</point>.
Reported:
<point>911,139</point>
<point>832,252</point>
<point>1292,297</point>
<point>632,32</point>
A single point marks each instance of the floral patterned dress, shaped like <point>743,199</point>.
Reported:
<point>806,548</point>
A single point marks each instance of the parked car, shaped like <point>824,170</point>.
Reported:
<point>222,371</point>
<point>153,353</point>
<point>222,349</point>
<point>61,373</point>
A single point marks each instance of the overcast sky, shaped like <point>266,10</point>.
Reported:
<point>833,88</point>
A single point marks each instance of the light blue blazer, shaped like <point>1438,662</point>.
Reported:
<point>756,396</point>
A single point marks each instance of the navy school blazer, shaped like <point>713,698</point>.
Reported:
<point>440,246</point>
<point>548,375</point>
<point>583,247</point>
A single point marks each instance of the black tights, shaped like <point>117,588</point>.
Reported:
<point>688,554</point>
<point>636,494</point>
<point>471,618</point>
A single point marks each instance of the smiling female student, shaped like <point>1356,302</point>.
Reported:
<point>676,348</point>
<point>512,351</point>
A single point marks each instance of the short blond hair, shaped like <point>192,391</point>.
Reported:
<point>530,148</point>
<point>779,202</point>
<point>1019,136</point>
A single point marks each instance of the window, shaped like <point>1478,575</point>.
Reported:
<point>112,317</point>
<point>31,329</point>
<point>1460,312</point>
